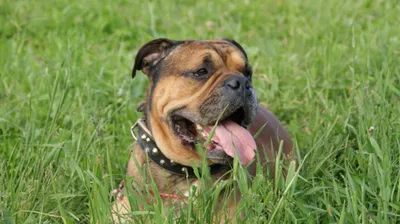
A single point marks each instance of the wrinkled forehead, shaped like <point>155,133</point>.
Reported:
<point>215,51</point>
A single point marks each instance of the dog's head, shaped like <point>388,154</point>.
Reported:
<point>192,84</point>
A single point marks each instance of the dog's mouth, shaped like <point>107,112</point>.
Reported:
<point>222,139</point>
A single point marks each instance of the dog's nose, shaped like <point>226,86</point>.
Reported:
<point>238,83</point>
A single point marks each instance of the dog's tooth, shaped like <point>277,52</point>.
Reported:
<point>199,127</point>
<point>204,135</point>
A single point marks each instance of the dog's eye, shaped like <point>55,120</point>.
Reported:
<point>201,72</point>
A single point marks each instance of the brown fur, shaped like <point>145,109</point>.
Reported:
<point>166,63</point>
<point>188,92</point>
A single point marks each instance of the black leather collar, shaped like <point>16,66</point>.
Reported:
<point>149,146</point>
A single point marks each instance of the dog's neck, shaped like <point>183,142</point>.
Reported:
<point>148,145</point>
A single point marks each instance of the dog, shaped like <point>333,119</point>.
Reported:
<point>199,93</point>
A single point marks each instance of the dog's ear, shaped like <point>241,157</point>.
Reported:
<point>237,45</point>
<point>151,53</point>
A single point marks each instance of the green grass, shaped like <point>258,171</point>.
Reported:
<point>328,69</point>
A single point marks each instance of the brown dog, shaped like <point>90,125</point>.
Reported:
<point>194,84</point>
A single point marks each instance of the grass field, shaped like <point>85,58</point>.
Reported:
<point>329,70</point>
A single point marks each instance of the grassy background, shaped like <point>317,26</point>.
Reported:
<point>328,69</point>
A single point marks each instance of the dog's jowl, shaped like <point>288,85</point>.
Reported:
<point>200,93</point>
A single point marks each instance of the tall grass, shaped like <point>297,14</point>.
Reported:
<point>330,70</point>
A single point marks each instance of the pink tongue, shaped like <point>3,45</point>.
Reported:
<point>233,137</point>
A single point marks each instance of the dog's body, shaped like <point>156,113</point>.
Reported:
<point>192,84</point>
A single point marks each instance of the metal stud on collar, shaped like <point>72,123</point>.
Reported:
<point>147,143</point>
<point>141,123</point>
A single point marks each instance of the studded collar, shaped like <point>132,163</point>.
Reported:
<point>147,143</point>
